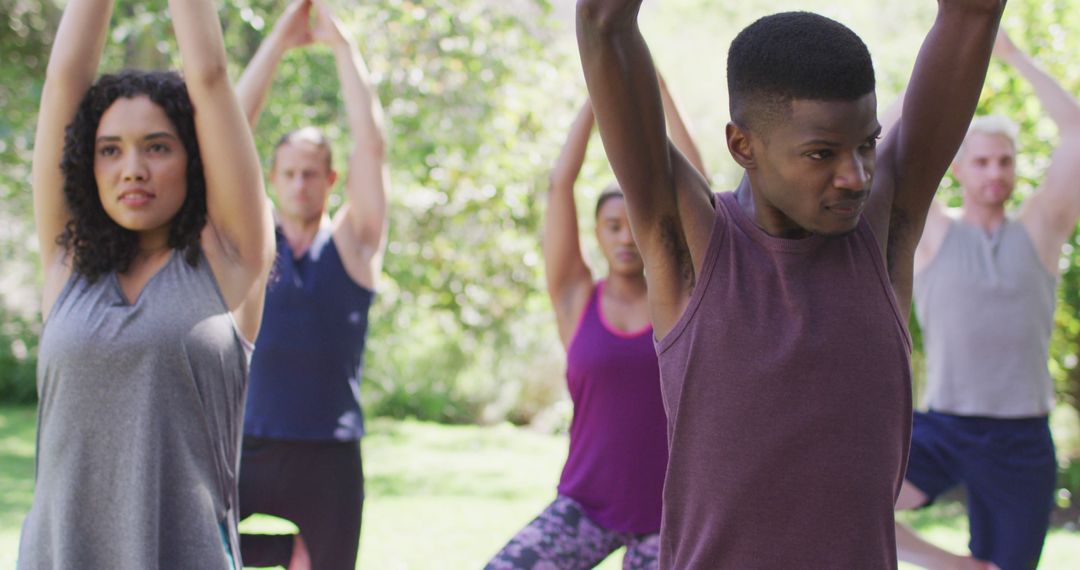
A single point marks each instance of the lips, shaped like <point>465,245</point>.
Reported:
<point>847,207</point>
<point>135,197</point>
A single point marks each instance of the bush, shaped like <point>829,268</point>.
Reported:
<point>18,357</point>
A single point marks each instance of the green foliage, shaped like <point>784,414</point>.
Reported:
<point>470,140</point>
<point>18,356</point>
<point>1047,31</point>
<point>478,95</point>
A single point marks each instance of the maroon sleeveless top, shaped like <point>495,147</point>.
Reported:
<point>787,387</point>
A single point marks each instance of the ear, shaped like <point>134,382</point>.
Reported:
<point>738,142</point>
<point>332,176</point>
<point>957,168</point>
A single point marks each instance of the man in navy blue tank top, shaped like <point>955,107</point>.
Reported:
<point>985,287</point>
<point>303,422</point>
<point>780,308</point>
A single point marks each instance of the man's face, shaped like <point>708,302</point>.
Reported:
<point>813,171</point>
<point>302,180</point>
<point>986,169</point>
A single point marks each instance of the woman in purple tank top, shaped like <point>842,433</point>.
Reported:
<point>609,495</point>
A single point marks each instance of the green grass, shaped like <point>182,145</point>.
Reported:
<point>440,496</point>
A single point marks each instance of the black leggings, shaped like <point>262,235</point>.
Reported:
<point>318,486</point>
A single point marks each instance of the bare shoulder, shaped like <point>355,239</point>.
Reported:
<point>361,260</point>
<point>56,275</point>
<point>242,291</point>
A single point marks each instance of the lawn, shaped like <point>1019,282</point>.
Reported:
<point>438,496</point>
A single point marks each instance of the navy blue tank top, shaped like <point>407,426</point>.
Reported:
<point>305,373</point>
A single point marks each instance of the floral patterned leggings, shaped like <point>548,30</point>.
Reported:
<point>564,538</point>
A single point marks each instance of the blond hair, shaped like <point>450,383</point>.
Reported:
<point>309,135</point>
<point>992,125</point>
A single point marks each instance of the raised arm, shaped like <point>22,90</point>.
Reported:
<point>569,280</point>
<point>368,179</point>
<point>72,67</point>
<point>1050,215</point>
<point>941,99</point>
<point>238,239</point>
<point>291,30</point>
<point>666,198</point>
<point>937,218</point>
<point>678,131</point>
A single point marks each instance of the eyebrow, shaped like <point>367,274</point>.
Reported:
<point>833,144</point>
<point>151,136</point>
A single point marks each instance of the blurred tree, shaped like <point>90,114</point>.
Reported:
<point>478,94</point>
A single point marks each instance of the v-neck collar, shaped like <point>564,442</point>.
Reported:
<point>120,290</point>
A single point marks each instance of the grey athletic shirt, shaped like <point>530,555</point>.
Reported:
<point>139,426</point>
<point>986,306</point>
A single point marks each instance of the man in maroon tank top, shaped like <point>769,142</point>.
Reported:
<point>780,308</point>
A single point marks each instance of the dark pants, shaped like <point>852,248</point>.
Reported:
<point>318,486</point>
<point>1009,469</point>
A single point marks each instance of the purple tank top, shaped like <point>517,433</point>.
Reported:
<point>787,387</point>
<point>618,448</point>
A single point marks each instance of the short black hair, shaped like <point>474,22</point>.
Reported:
<point>794,55</point>
<point>97,243</point>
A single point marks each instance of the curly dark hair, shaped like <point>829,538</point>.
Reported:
<point>97,243</point>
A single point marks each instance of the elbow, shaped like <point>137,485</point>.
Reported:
<point>206,77</point>
<point>373,146</point>
<point>987,7</point>
<point>601,16</point>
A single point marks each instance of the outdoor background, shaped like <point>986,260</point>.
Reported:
<point>479,94</point>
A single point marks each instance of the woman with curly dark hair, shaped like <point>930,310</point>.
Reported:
<point>156,243</point>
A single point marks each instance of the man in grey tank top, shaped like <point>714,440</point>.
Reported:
<point>984,294</point>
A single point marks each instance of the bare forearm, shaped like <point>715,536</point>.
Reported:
<point>72,67</point>
<point>572,157</point>
<point>622,83</point>
<point>235,199</point>
<point>202,48</point>
<point>80,41</point>
<point>562,247</point>
<point>254,84</point>
<point>940,100</point>
<point>680,133</point>
<point>1062,106</point>
<point>362,106</point>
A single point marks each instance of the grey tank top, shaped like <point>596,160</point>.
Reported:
<point>986,306</point>
<point>139,426</point>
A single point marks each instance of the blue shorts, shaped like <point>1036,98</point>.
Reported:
<point>1009,469</point>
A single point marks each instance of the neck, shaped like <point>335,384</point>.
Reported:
<point>764,216</point>
<point>625,286</point>
<point>300,233</point>
<point>988,218</point>
<point>153,243</point>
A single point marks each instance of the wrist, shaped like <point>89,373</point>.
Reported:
<point>340,44</point>
<point>278,42</point>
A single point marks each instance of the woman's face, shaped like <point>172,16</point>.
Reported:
<point>616,241</point>
<point>140,165</point>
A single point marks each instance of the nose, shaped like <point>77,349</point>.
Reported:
<point>134,167</point>
<point>854,173</point>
